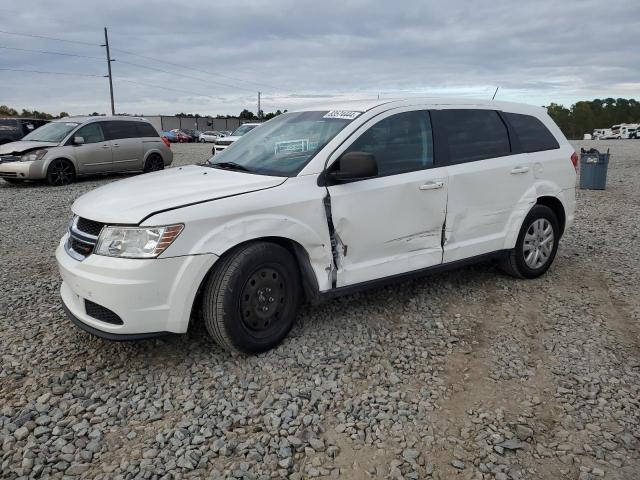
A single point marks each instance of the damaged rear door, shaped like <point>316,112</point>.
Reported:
<point>393,223</point>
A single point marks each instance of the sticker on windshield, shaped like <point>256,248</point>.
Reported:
<point>292,146</point>
<point>342,114</point>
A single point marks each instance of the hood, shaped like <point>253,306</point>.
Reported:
<point>14,148</point>
<point>131,200</point>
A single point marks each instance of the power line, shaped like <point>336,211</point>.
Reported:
<point>52,73</point>
<point>50,52</point>
<point>165,88</point>
<point>196,69</point>
<point>183,75</point>
<point>48,38</point>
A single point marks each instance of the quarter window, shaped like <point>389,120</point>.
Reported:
<point>92,133</point>
<point>146,130</point>
<point>401,143</point>
<point>533,135</point>
<point>472,135</point>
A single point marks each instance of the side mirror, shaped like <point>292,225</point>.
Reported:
<point>78,140</point>
<point>354,166</point>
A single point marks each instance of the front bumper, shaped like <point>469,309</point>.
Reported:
<point>22,170</point>
<point>220,148</point>
<point>150,297</point>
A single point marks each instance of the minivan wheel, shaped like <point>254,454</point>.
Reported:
<point>536,246</point>
<point>153,164</point>
<point>61,172</point>
<point>252,297</point>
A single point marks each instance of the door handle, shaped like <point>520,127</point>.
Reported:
<point>517,170</point>
<point>105,146</point>
<point>431,185</point>
<point>116,145</point>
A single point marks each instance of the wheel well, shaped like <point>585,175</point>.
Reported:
<point>309,281</point>
<point>556,206</point>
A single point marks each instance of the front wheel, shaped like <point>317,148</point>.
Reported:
<point>61,172</point>
<point>536,246</point>
<point>252,297</point>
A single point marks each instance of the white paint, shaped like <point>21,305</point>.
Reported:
<point>384,226</point>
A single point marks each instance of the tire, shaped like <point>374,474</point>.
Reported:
<point>534,236</point>
<point>153,163</point>
<point>13,181</point>
<point>251,298</point>
<point>202,140</point>
<point>61,172</point>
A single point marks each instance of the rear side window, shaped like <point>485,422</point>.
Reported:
<point>146,130</point>
<point>472,135</point>
<point>401,143</point>
<point>121,129</point>
<point>533,135</point>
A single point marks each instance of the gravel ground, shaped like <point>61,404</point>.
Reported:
<point>468,374</point>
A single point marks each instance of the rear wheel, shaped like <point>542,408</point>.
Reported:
<point>536,246</point>
<point>61,172</point>
<point>252,297</point>
<point>153,163</point>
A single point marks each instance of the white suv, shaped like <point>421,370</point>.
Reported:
<point>314,204</point>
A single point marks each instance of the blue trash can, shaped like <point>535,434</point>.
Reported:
<point>593,169</point>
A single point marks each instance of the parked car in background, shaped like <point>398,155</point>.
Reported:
<point>315,204</point>
<point>169,135</point>
<point>222,143</point>
<point>210,136</point>
<point>13,129</point>
<point>194,135</point>
<point>65,149</point>
<point>180,136</point>
<point>623,131</point>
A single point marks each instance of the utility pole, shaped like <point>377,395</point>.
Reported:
<point>495,93</point>
<point>259,113</point>
<point>106,44</point>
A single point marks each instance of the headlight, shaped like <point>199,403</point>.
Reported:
<point>136,242</point>
<point>33,156</point>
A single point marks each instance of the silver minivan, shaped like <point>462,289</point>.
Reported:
<point>64,149</point>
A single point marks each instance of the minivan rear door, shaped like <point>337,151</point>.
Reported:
<point>126,145</point>
<point>488,184</point>
<point>390,224</point>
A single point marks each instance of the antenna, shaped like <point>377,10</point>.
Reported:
<point>494,93</point>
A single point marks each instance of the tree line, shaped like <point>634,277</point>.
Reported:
<point>585,116</point>
<point>582,117</point>
<point>6,111</point>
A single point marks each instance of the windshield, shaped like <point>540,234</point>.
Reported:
<point>242,129</point>
<point>52,132</point>
<point>284,145</point>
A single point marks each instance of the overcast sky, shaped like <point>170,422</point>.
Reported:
<point>299,53</point>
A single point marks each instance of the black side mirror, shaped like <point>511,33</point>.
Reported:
<point>353,166</point>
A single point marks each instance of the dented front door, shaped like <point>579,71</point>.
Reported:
<point>388,225</point>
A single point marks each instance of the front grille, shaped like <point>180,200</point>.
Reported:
<point>224,142</point>
<point>101,313</point>
<point>89,226</point>
<point>8,174</point>
<point>83,237</point>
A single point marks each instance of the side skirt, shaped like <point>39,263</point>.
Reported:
<point>401,277</point>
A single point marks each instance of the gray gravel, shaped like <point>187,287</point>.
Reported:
<point>468,374</point>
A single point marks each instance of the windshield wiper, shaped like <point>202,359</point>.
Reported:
<point>230,166</point>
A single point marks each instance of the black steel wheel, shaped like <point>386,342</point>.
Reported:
<point>252,297</point>
<point>61,172</point>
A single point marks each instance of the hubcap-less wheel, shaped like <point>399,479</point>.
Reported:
<point>262,301</point>
<point>538,243</point>
<point>154,164</point>
<point>60,173</point>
